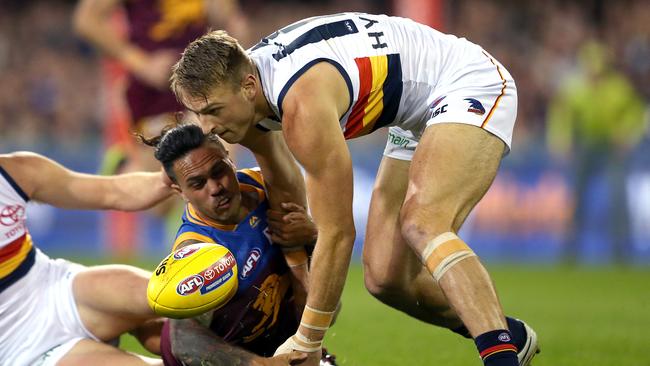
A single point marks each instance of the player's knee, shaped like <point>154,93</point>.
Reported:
<point>420,222</point>
<point>380,283</point>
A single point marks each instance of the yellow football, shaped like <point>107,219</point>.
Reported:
<point>192,280</point>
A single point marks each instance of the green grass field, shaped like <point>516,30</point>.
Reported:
<point>584,317</point>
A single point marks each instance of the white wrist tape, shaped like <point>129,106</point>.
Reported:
<point>298,342</point>
<point>316,319</point>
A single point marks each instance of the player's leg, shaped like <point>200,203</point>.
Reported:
<point>112,299</point>
<point>392,272</point>
<point>89,352</point>
<point>453,167</point>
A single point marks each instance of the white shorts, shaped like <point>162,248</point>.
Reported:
<point>481,93</point>
<point>39,321</point>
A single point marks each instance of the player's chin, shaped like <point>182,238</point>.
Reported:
<point>231,137</point>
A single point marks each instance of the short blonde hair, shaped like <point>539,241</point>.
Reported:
<point>210,61</point>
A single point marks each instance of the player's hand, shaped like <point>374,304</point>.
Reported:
<point>289,347</point>
<point>292,358</point>
<point>156,68</point>
<point>292,226</point>
<point>313,359</point>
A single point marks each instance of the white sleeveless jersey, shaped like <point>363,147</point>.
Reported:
<point>391,65</point>
<point>15,242</point>
<point>39,320</point>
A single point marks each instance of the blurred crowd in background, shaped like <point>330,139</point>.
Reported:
<point>582,70</point>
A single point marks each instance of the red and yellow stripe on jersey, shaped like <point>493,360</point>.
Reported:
<point>380,91</point>
<point>16,258</point>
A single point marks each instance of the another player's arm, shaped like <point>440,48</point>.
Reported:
<point>312,109</point>
<point>282,176</point>
<point>228,15</point>
<point>92,21</point>
<point>294,227</point>
<point>284,183</point>
<point>193,343</point>
<point>47,181</point>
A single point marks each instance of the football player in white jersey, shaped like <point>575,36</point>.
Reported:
<point>450,108</point>
<point>55,312</point>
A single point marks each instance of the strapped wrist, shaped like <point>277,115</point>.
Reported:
<point>315,319</point>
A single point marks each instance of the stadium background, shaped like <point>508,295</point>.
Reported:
<point>53,100</point>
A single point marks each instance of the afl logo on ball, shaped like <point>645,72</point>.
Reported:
<point>189,285</point>
<point>10,215</point>
<point>185,252</point>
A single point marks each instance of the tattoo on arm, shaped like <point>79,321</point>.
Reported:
<point>195,344</point>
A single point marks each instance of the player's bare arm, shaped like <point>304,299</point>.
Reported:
<point>282,176</point>
<point>92,21</point>
<point>324,155</point>
<point>227,14</point>
<point>47,181</point>
<point>292,225</point>
<point>285,185</point>
<point>194,344</point>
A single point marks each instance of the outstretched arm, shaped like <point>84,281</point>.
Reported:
<point>47,181</point>
<point>319,98</point>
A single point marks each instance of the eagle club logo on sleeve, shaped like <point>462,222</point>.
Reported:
<point>475,106</point>
<point>211,278</point>
<point>185,252</point>
<point>251,262</point>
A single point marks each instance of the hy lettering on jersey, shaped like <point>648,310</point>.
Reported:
<point>380,88</point>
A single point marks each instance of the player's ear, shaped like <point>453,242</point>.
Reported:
<point>179,191</point>
<point>248,84</point>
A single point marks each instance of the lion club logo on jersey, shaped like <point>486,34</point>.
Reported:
<point>11,215</point>
<point>189,285</point>
<point>251,262</point>
<point>218,273</point>
<point>185,252</point>
<point>475,106</point>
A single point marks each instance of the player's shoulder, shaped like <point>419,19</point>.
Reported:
<point>23,168</point>
<point>192,232</point>
<point>251,176</point>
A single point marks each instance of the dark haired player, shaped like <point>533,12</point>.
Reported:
<point>229,207</point>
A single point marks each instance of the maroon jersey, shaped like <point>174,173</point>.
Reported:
<point>262,314</point>
<point>157,25</point>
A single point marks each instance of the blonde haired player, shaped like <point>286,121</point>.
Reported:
<point>450,108</point>
<point>55,312</point>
